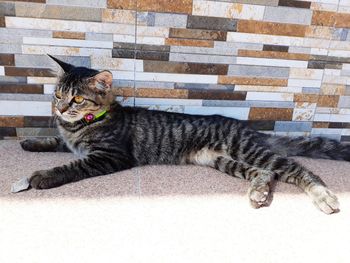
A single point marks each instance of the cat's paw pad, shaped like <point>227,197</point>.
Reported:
<point>325,200</point>
<point>28,145</point>
<point>258,195</point>
<point>41,180</point>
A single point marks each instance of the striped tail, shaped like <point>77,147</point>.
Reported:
<point>314,147</point>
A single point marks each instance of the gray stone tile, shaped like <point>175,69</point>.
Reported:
<point>151,84</point>
<point>204,50</point>
<point>295,126</point>
<point>288,15</point>
<point>344,102</point>
<point>58,12</point>
<point>258,71</point>
<point>24,132</point>
<point>193,86</point>
<point>212,23</point>
<point>252,2</point>
<point>261,104</point>
<point>7,9</point>
<point>202,58</point>
<point>44,61</point>
<point>13,48</point>
<point>98,36</point>
<point>170,20</point>
<point>146,18</point>
<point>25,97</point>
<point>87,3</point>
<point>309,90</point>
<point>304,50</point>
<point>14,35</point>
<point>8,79</point>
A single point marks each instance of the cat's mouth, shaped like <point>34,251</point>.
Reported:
<point>69,116</point>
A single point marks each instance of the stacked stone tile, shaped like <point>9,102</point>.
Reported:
<point>281,65</point>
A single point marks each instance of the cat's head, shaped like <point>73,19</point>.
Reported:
<point>81,91</point>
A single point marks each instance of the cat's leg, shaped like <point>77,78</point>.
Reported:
<point>95,164</point>
<point>290,171</point>
<point>261,180</point>
<point>50,144</point>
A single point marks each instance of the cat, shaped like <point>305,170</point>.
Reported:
<point>109,138</point>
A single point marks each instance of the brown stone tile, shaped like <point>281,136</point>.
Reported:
<point>141,47</point>
<point>316,64</point>
<point>21,88</point>
<point>319,32</point>
<point>34,72</point>
<point>342,20</point>
<point>293,3</point>
<point>277,114</point>
<point>329,59</point>
<point>188,42</point>
<point>184,67</point>
<point>258,27</point>
<point>301,97</point>
<point>317,124</point>
<point>161,93</point>
<point>217,95</point>
<point>252,81</point>
<point>152,55</point>
<point>124,92</point>
<point>275,48</point>
<point>10,121</point>
<point>166,6</point>
<point>7,59</point>
<point>330,101</point>
<point>339,125</point>
<point>2,21</point>
<point>197,34</point>
<point>122,4</point>
<point>272,54</point>
<point>323,18</point>
<point>68,35</point>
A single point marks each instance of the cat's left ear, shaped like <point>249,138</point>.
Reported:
<point>103,81</point>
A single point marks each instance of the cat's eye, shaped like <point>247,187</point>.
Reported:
<point>78,99</point>
<point>58,95</point>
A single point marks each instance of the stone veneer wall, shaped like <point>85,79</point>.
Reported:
<point>283,65</point>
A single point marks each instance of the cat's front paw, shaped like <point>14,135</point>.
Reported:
<point>30,145</point>
<point>258,195</point>
<point>324,199</point>
<point>42,180</point>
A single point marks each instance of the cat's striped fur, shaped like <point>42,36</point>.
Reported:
<point>129,136</point>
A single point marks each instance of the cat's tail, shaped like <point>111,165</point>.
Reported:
<point>314,147</point>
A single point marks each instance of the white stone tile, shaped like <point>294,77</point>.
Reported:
<point>152,31</point>
<point>344,9</point>
<point>240,113</point>
<point>66,25</point>
<point>300,73</point>
<point>181,78</point>
<point>315,43</point>
<point>116,63</point>
<point>228,10</point>
<point>343,45</point>
<point>227,51</point>
<point>318,51</point>
<point>304,83</point>
<point>66,51</point>
<point>322,117</point>
<point>49,88</point>
<point>26,108</point>
<point>124,38</point>
<point>264,39</point>
<point>324,7</point>
<point>303,114</point>
<point>346,66</point>
<point>123,75</point>
<point>163,101</point>
<point>332,72</point>
<point>41,80</point>
<point>339,53</point>
<point>87,3</point>
<point>324,131</point>
<point>2,71</point>
<point>336,80</point>
<point>67,42</point>
<point>339,118</point>
<point>170,20</point>
<point>281,14</point>
<point>150,40</point>
<point>271,62</point>
<point>268,88</point>
<point>269,96</point>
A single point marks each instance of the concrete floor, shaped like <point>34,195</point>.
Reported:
<point>165,214</point>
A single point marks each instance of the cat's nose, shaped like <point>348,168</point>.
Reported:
<point>62,107</point>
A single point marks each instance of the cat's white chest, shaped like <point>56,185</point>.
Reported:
<point>78,149</point>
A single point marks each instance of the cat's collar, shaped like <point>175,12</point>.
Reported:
<point>90,118</point>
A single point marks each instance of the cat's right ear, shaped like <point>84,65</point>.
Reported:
<point>65,66</point>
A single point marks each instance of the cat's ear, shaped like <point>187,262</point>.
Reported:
<point>65,66</point>
<point>103,80</point>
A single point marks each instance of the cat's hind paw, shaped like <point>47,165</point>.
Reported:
<point>324,199</point>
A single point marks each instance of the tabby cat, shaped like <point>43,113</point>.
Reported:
<point>110,138</point>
